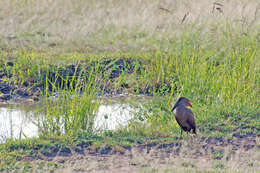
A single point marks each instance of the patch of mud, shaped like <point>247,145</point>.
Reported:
<point>64,77</point>
<point>191,153</point>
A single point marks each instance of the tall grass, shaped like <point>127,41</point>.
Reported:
<point>221,78</point>
<point>218,73</point>
<point>70,109</point>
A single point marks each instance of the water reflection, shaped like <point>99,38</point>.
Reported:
<point>16,123</point>
<point>111,117</point>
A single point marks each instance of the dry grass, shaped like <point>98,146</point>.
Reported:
<point>116,25</point>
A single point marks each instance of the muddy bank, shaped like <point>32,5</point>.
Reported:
<point>207,146</point>
<point>18,93</point>
<point>153,154</point>
<point>54,77</point>
<point>64,77</point>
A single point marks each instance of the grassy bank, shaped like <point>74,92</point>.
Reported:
<point>221,80</point>
<point>167,49</point>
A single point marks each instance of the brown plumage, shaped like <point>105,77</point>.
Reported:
<point>184,115</point>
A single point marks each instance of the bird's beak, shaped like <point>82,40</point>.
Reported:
<point>174,107</point>
<point>190,103</point>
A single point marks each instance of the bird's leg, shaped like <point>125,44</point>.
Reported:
<point>181,133</point>
<point>180,137</point>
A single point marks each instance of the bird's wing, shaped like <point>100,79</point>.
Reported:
<point>180,123</point>
<point>191,120</point>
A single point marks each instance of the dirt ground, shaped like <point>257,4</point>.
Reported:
<point>192,154</point>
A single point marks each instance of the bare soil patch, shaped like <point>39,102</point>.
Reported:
<point>193,154</point>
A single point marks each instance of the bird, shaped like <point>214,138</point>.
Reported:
<point>184,115</point>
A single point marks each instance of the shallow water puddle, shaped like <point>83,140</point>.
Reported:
<point>111,117</point>
<point>16,123</point>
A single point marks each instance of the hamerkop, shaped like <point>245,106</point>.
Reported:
<point>184,115</point>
